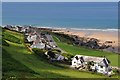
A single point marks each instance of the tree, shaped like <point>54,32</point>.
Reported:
<point>39,52</point>
<point>51,54</point>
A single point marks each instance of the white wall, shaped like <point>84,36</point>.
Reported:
<point>101,70</point>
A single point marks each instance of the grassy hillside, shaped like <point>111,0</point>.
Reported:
<point>18,61</point>
<point>14,68</point>
<point>85,51</point>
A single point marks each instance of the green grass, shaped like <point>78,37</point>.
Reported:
<point>38,66</point>
<point>10,37</point>
<point>85,51</point>
<point>10,66</point>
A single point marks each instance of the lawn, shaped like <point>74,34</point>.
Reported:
<point>85,51</point>
<point>38,66</point>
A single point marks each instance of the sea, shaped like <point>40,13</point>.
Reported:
<point>70,15</point>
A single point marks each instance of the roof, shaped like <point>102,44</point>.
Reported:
<point>100,60</point>
<point>91,58</point>
<point>105,62</point>
<point>39,45</point>
<point>8,26</point>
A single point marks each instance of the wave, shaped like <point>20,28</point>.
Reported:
<point>90,29</point>
<point>77,29</point>
<point>83,29</point>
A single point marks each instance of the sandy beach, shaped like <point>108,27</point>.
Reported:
<point>102,36</point>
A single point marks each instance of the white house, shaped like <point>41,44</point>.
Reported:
<point>31,38</point>
<point>15,28</point>
<point>39,45</point>
<point>23,29</point>
<point>99,64</point>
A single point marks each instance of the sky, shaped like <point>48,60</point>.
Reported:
<point>60,0</point>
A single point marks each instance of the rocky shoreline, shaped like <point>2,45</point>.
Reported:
<point>100,43</point>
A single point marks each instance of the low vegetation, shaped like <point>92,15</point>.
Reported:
<point>10,37</point>
<point>12,67</point>
<point>19,62</point>
<point>91,43</point>
<point>73,50</point>
<point>39,52</point>
<point>64,38</point>
<point>4,43</point>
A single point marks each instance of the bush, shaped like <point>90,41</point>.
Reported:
<point>11,38</point>
<point>4,43</point>
<point>64,38</point>
<point>39,52</point>
<point>57,50</point>
<point>69,56</point>
<point>116,71</point>
<point>51,54</point>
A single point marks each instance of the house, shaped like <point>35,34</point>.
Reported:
<point>99,64</point>
<point>8,26</point>
<point>58,57</point>
<point>15,28</point>
<point>24,28</point>
<point>19,28</point>
<point>31,37</point>
<point>38,45</point>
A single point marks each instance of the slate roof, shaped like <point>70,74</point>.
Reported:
<point>100,60</point>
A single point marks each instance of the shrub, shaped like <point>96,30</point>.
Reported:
<point>69,56</point>
<point>57,50</point>
<point>39,52</point>
<point>64,38</point>
<point>88,66</point>
<point>116,71</point>
<point>4,43</point>
<point>51,54</point>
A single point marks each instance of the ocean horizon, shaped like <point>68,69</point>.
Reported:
<point>70,15</point>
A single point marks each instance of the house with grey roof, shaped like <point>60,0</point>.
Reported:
<point>8,26</point>
<point>57,57</point>
<point>31,37</point>
<point>38,45</point>
<point>98,64</point>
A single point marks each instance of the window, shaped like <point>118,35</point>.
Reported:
<point>101,66</point>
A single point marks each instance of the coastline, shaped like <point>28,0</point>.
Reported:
<point>100,34</point>
<point>103,35</point>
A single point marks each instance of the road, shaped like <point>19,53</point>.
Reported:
<point>53,43</point>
